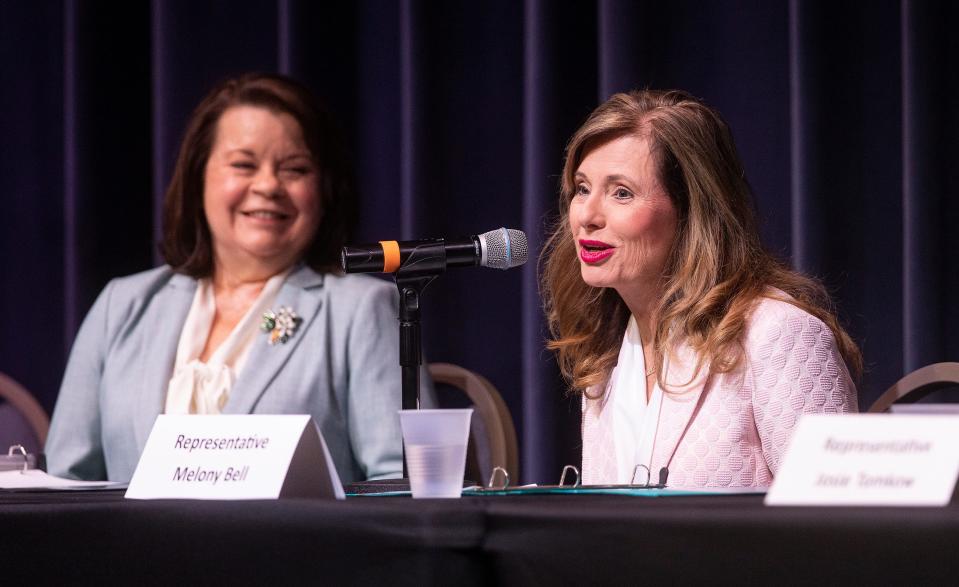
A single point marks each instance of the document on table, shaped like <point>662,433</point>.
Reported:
<point>630,490</point>
<point>37,479</point>
<point>586,490</point>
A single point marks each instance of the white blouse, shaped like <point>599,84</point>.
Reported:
<point>635,421</point>
<point>203,388</point>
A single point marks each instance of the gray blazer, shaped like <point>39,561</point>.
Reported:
<point>341,366</point>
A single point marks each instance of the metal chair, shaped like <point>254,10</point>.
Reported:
<point>492,434</point>
<point>20,407</point>
<point>917,385</point>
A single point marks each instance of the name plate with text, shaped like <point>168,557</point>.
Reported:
<point>869,460</point>
<point>235,457</point>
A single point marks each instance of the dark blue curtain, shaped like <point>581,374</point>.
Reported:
<point>457,115</point>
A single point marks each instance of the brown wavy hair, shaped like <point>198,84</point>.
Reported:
<point>187,244</point>
<point>717,268</point>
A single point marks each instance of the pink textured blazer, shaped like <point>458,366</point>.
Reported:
<point>730,429</point>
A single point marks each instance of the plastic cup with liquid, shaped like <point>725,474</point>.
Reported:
<point>435,445</point>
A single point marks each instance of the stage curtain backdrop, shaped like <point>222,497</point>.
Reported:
<point>457,115</point>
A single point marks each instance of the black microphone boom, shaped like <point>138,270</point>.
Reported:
<point>502,248</point>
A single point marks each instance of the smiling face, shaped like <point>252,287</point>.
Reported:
<point>261,191</point>
<point>622,220</point>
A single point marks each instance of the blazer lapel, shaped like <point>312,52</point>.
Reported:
<point>162,326</point>
<point>302,293</point>
<point>681,401</point>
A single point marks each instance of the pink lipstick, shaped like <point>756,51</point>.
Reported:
<point>594,251</point>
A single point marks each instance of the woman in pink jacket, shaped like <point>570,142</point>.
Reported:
<point>693,348</point>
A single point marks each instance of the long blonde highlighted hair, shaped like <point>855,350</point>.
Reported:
<point>717,268</point>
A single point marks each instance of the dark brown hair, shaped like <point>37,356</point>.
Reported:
<point>187,244</point>
<point>717,268</point>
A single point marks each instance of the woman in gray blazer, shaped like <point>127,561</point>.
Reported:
<point>250,314</point>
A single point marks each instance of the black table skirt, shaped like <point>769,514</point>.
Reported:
<point>521,540</point>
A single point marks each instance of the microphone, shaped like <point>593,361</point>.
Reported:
<point>502,248</point>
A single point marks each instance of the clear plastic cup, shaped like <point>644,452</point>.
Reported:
<point>435,444</point>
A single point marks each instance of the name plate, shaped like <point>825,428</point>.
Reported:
<point>869,460</point>
<point>235,457</point>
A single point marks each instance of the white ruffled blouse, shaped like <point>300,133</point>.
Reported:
<point>203,388</point>
<point>635,420</point>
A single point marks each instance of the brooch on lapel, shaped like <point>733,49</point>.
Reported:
<point>280,324</point>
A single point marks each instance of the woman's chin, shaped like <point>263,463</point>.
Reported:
<point>278,257</point>
<point>595,277</point>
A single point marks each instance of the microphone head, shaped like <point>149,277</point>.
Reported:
<point>503,248</point>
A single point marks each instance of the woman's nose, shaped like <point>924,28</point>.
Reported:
<point>591,212</point>
<point>266,182</point>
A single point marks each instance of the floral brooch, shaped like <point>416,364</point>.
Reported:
<point>280,324</point>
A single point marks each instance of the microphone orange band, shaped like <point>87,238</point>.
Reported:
<point>391,256</point>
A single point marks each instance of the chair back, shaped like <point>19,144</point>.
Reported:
<point>22,419</point>
<point>917,385</point>
<point>492,434</point>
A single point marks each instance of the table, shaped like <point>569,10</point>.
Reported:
<point>512,540</point>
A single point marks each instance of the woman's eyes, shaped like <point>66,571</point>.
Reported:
<point>292,171</point>
<point>620,193</point>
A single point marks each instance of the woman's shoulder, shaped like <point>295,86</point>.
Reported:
<point>125,295</point>
<point>775,317</point>
<point>124,298</point>
<point>360,303</point>
<point>143,279</point>
<point>357,285</point>
<point>145,283</point>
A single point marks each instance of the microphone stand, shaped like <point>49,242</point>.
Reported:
<point>423,265</point>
